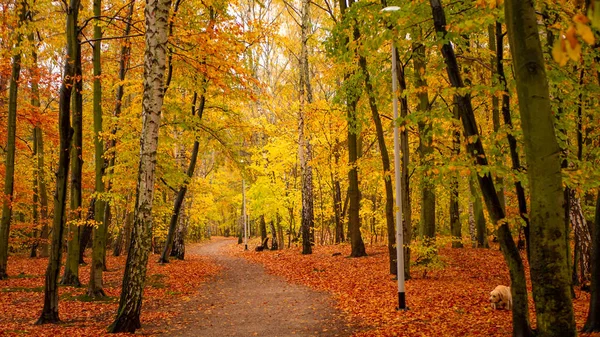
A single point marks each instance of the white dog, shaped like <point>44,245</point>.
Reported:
<point>501,298</point>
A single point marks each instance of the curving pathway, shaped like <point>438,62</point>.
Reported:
<point>243,300</point>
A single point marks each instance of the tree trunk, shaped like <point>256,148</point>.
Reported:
<point>86,232</point>
<point>592,324</point>
<point>9,175</point>
<point>427,228</point>
<point>95,286</point>
<point>263,232</point>
<point>50,311</point>
<point>40,179</point>
<point>520,312</point>
<point>385,160</point>
<point>549,266</point>
<point>102,209</point>
<point>455,225</point>
<point>304,143</point>
<point>130,304</point>
<point>512,142</point>
<point>178,250</point>
<point>496,105</point>
<point>274,243</point>
<point>480,223</point>
<point>164,258</point>
<point>71,273</point>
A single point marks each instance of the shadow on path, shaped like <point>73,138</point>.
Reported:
<point>243,300</point>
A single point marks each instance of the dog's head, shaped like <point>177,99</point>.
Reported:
<point>495,296</point>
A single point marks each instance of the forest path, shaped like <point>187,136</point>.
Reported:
<point>243,300</point>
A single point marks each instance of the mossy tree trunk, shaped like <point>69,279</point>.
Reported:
<point>520,312</point>
<point>130,304</point>
<point>427,227</point>
<point>71,273</point>
<point>549,266</point>
<point>50,310</point>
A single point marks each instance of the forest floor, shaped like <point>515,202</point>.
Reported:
<point>449,299</point>
<point>169,288</point>
<point>243,300</point>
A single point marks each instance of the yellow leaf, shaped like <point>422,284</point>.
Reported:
<point>585,32</point>
<point>558,52</point>
<point>574,52</point>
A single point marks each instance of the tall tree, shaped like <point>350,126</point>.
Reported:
<point>352,95</point>
<point>9,177</point>
<point>549,266</point>
<point>304,145</point>
<point>520,312</point>
<point>50,311</point>
<point>130,304</point>
<point>199,109</point>
<point>95,286</point>
<point>385,160</point>
<point>99,242</point>
<point>71,274</point>
<point>427,228</point>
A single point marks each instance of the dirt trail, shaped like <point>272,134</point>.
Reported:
<point>243,300</point>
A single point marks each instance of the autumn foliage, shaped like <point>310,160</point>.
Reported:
<point>168,288</point>
<point>452,300</point>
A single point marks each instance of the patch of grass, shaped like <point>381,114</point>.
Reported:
<point>157,281</point>
<point>23,290</point>
<point>23,275</point>
<point>173,293</point>
<point>86,298</point>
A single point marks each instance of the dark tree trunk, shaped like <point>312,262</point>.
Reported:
<point>50,311</point>
<point>71,273</point>
<point>274,243</point>
<point>385,160</point>
<point>520,312</point>
<point>592,324</point>
<point>480,223</point>
<point>427,228</point>
<point>263,232</point>
<point>9,175</point>
<point>164,258</point>
<point>512,141</point>
<point>86,231</point>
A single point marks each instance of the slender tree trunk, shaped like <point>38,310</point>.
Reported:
<point>263,232</point>
<point>480,223</point>
<point>102,211</point>
<point>164,258</point>
<point>130,304</point>
<point>9,176</point>
<point>304,144</point>
<point>86,232</point>
<point>520,312</point>
<point>337,199</point>
<point>549,266</point>
<point>95,286</point>
<point>493,46</point>
<point>512,141</point>
<point>40,184</point>
<point>71,273</point>
<point>274,243</point>
<point>427,228</point>
<point>455,225</point>
<point>35,208</point>
<point>385,160</point>
<point>592,324</point>
<point>178,250</point>
<point>50,311</point>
